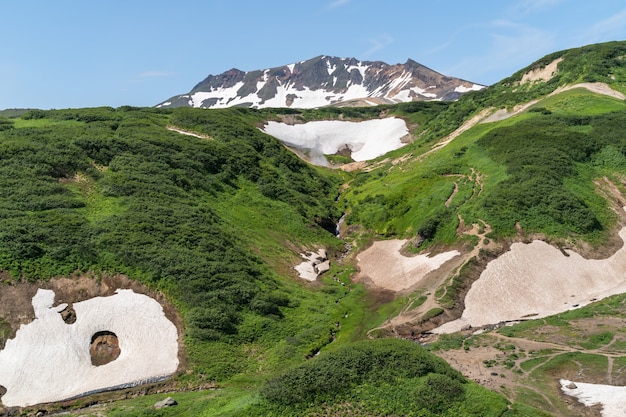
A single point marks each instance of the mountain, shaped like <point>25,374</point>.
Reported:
<point>492,239</point>
<point>323,81</point>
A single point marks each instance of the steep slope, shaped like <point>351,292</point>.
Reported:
<point>526,179</point>
<point>323,81</point>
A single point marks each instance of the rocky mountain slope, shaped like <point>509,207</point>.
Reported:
<point>322,81</point>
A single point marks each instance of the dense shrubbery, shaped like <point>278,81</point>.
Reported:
<point>540,154</point>
<point>380,377</point>
<point>112,190</point>
<point>332,374</point>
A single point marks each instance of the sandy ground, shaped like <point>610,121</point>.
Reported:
<point>48,360</point>
<point>366,140</point>
<point>612,398</point>
<point>598,88</point>
<point>386,267</point>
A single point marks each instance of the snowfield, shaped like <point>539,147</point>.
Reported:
<point>537,280</point>
<point>366,140</point>
<point>384,264</point>
<point>49,359</point>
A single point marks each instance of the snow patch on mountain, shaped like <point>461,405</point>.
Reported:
<point>365,140</point>
<point>323,81</point>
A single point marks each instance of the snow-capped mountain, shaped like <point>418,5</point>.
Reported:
<point>323,81</point>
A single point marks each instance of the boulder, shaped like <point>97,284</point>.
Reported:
<point>168,402</point>
<point>571,385</point>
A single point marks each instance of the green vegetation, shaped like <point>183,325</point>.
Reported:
<point>396,377</point>
<point>112,190</point>
<point>216,223</point>
<point>535,171</point>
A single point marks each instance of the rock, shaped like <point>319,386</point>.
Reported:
<point>168,402</point>
<point>571,385</point>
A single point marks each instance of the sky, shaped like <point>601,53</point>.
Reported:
<point>77,53</point>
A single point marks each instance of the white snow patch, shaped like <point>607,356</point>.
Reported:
<point>308,269</point>
<point>291,67</point>
<point>612,398</point>
<point>404,95</point>
<point>330,68</point>
<point>400,81</point>
<point>537,279</point>
<point>384,264</point>
<point>367,139</point>
<point>360,67</point>
<point>423,92</point>
<point>463,89</point>
<point>49,360</point>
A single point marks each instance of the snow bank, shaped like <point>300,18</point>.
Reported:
<point>367,139</point>
<point>538,280</point>
<point>388,268</point>
<point>612,398</point>
<point>49,360</point>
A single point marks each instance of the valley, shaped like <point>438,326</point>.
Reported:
<point>477,270</point>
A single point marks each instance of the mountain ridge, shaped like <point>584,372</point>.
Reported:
<point>323,80</point>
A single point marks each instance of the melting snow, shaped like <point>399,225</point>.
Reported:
<point>367,139</point>
<point>49,360</point>
<point>330,68</point>
<point>384,264</point>
<point>612,398</point>
<point>537,279</point>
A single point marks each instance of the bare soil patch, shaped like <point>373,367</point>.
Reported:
<point>542,73</point>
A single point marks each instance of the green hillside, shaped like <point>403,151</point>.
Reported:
<point>205,208</point>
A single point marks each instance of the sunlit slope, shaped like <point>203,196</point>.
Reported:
<point>534,167</point>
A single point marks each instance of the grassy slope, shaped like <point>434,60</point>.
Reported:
<point>403,199</point>
<point>211,222</point>
<point>568,141</point>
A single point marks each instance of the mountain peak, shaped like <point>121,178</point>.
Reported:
<point>321,81</point>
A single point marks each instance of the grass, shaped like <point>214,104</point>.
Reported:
<point>581,101</point>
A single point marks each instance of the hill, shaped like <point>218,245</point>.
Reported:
<point>204,212</point>
<point>322,81</point>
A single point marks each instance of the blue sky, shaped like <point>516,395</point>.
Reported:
<point>78,53</point>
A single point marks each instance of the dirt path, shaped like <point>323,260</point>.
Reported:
<point>187,132</point>
<point>487,364</point>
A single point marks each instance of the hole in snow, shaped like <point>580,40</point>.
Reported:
<point>104,348</point>
<point>68,314</point>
